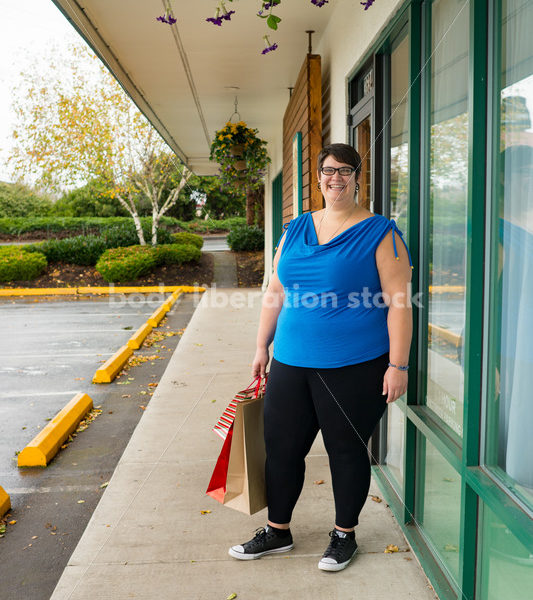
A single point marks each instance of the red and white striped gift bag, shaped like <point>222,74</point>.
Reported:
<point>255,390</point>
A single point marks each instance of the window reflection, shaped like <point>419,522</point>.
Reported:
<point>510,415</point>
<point>447,210</point>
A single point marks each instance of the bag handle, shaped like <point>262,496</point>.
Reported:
<point>257,382</point>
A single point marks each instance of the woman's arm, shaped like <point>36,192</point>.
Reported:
<point>395,277</point>
<point>271,307</point>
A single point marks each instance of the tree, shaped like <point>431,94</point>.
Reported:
<point>81,126</point>
<point>218,201</point>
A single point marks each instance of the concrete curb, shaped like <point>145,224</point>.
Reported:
<point>137,339</point>
<point>108,371</point>
<point>46,444</point>
<point>77,291</point>
<point>5,502</point>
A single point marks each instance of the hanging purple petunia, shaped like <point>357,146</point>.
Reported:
<point>222,14</point>
<point>366,4</point>
<point>168,18</point>
<point>320,3</point>
<point>268,46</point>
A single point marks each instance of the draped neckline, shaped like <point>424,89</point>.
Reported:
<point>311,223</point>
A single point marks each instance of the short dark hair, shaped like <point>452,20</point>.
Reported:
<point>342,153</point>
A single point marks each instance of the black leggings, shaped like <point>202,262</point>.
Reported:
<point>346,403</point>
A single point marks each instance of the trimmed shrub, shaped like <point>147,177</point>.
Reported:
<point>243,237</point>
<point>80,250</point>
<point>126,264</point>
<point>18,265</point>
<point>76,225</point>
<point>211,225</point>
<point>185,237</point>
<point>171,254</point>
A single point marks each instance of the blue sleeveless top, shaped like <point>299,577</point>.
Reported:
<point>333,314</point>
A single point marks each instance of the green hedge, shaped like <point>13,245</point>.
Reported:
<point>87,249</point>
<point>18,265</point>
<point>243,237</point>
<point>94,225</point>
<point>171,254</point>
<point>80,250</point>
<point>184,237</point>
<point>73,225</point>
<point>126,264</point>
<point>211,225</point>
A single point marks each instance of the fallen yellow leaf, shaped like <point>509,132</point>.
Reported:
<point>205,512</point>
<point>376,499</point>
<point>391,548</point>
<point>12,522</point>
<point>318,482</point>
<point>81,501</point>
<point>232,596</point>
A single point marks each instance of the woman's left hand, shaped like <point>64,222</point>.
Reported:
<point>394,384</point>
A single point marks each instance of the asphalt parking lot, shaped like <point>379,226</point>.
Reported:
<point>51,350</point>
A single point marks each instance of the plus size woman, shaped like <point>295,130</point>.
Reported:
<point>337,308</point>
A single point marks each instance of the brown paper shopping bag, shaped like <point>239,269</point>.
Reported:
<point>238,480</point>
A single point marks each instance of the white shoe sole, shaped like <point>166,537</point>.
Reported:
<point>323,566</point>
<point>242,556</point>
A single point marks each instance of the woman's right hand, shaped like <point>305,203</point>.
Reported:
<point>260,362</point>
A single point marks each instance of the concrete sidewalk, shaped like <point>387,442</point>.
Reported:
<point>148,539</point>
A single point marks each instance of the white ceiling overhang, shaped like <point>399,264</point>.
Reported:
<point>182,77</point>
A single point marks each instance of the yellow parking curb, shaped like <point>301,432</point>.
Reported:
<point>46,444</point>
<point>108,371</point>
<point>5,502</point>
<point>157,316</point>
<point>136,340</point>
<point>75,291</point>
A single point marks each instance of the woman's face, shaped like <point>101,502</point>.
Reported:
<point>332,186</point>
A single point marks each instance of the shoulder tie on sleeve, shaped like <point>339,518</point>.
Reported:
<point>285,227</point>
<point>394,229</point>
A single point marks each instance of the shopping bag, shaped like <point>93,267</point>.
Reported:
<point>238,480</point>
<point>255,390</point>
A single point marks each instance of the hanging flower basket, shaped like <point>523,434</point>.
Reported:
<point>237,150</point>
<point>241,154</point>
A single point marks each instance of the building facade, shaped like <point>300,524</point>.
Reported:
<point>437,96</point>
<point>439,105</point>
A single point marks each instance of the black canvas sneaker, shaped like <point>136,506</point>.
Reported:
<point>339,553</point>
<point>265,541</point>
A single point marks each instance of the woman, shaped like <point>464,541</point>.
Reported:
<point>337,308</point>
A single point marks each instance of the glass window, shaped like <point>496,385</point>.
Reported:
<point>439,504</point>
<point>399,138</point>
<point>395,442</point>
<point>399,188</point>
<point>448,175</point>
<point>509,444</point>
<point>505,565</point>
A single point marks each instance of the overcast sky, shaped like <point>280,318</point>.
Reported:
<point>27,28</point>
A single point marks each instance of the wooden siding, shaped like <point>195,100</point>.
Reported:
<point>304,114</point>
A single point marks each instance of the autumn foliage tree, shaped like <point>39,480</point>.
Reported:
<point>79,125</point>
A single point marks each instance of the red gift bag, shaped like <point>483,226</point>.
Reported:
<point>238,480</point>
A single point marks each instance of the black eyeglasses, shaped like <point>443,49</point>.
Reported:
<point>344,171</point>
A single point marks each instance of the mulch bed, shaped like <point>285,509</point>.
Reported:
<point>66,275</point>
<point>250,268</point>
